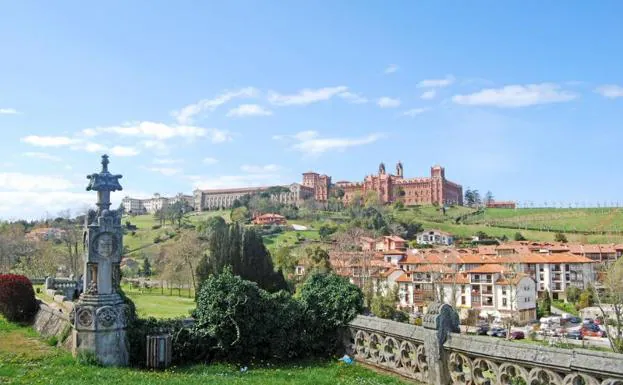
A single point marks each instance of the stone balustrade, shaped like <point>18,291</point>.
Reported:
<point>66,286</point>
<point>441,358</point>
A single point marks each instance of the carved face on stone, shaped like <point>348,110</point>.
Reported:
<point>105,245</point>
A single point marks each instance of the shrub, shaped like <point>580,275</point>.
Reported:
<point>330,302</point>
<point>157,239</point>
<point>247,323</point>
<point>17,298</point>
<point>156,227</point>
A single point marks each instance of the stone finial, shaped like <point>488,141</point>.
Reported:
<point>104,183</point>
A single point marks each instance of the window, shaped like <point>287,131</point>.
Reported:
<point>503,301</point>
<point>504,290</point>
<point>463,301</point>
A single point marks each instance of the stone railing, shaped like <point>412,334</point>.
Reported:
<point>66,286</point>
<point>436,357</point>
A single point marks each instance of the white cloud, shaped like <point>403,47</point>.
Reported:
<point>305,96</point>
<point>610,91</point>
<point>43,156</point>
<point>155,130</point>
<point>16,181</point>
<point>48,141</point>
<point>415,111</point>
<point>233,181</point>
<point>310,142</point>
<point>387,102</point>
<point>514,96</point>
<point>124,151</point>
<point>168,171</point>
<point>353,98</point>
<point>428,95</point>
<point>210,160</point>
<point>249,110</point>
<point>89,147</point>
<point>167,161</point>
<point>436,83</point>
<point>186,114</point>
<point>255,169</point>
<point>33,205</point>
<point>391,69</point>
<point>8,111</point>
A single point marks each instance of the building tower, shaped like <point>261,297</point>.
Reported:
<point>399,170</point>
<point>382,168</point>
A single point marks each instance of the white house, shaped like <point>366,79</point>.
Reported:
<point>434,237</point>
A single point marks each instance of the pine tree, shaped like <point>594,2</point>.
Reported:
<point>146,267</point>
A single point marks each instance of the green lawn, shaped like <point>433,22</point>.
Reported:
<point>26,359</point>
<point>162,306</point>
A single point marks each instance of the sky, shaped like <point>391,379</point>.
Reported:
<point>522,98</point>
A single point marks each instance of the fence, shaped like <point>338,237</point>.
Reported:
<point>157,287</point>
<point>436,355</point>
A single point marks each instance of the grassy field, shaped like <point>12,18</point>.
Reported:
<point>546,222</point>
<point>26,359</point>
<point>162,306</point>
<point>585,219</point>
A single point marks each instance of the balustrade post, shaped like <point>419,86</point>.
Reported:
<point>440,320</point>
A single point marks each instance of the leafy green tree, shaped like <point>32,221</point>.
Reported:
<point>573,294</point>
<point>318,258</point>
<point>240,214</point>
<point>587,298</point>
<point>546,304</point>
<point>285,260</point>
<point>469,197</point>
<point>489,197</point>
<point>519,236</point>
<point>560,237</point>
<point>330,302</point>
<point>384,304</point>
<point>325,231</point>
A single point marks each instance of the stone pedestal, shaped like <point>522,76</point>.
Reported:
<point>99,323</point>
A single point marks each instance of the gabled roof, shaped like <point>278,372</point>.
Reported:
<point>488,268</point>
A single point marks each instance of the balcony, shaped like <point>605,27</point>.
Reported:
<point>482,280</point>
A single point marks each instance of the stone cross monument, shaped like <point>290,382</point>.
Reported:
<point>100,315</point>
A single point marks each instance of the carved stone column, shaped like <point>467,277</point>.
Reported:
<point>100,317</point>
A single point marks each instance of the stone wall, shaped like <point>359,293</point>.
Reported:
<point>419,353</point>
<point>50,322</point>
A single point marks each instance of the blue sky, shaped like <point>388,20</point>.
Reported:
<point>523,98</point>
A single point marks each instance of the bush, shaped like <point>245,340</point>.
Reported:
<point>17,298</point>
<point>247,323</point>
<point>156,227</point>
<point>157,239</point>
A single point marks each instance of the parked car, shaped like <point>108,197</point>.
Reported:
<point>499,332</point>
<point>482,330</point>
<point>574,320</point>
<point>574,334</point>
<point>592,331</point>
<point>587,321</point>
<point>493,331</point>
<point>517,335</point>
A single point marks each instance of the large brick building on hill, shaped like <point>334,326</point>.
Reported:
<point>435,189</point>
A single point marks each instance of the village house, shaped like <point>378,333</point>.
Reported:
<point>269,219</point>
<point>434,237</point>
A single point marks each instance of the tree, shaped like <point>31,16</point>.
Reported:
<point>573,294</point>
<point>488,197</point>
<point>477,200</point>
<point>146,267</point>
<point>325,231</point>
<point>469,198</point>
<point>183,258</point>
<point>546,304</point>
<point>560,237</point>
<point>384,303</point>
<point>240,214</point>
<point>613,297</point>
<point>318,259</point>
<point>71,237</point>
<point>472,318</point>
<point>161,216</point>
<point>371,199</point>
<point>519,236</point>
<point>285,260</point>
<point>586,298</point>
